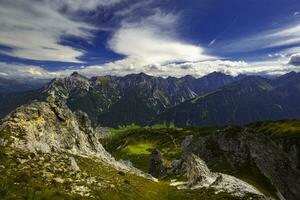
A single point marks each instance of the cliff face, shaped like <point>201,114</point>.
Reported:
<point>45,127</point>
<point>234,151</point>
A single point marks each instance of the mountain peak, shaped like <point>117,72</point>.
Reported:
<point>188,77</point>
<point>142,74</point>
<point>215,73</point>
<point>139,75</point>
<point>77,75</point>
<point>290,74</point>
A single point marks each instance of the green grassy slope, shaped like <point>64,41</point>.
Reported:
<point>47,177</point>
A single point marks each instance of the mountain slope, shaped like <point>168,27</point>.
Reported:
<point>248,100</point>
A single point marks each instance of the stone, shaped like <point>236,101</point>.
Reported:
<point>74,165</point>
<point>59,180</point>
<point>199,176</point>
<point>156,166</point>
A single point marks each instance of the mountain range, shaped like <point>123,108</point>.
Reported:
<point>215,99</point>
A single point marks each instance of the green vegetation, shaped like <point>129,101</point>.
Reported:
<point>135,145</point>
<point>253,176</point>
<point>138,148</point>
<point>123,128</point>
<point>278,129</point>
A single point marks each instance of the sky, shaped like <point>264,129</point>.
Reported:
<point>52,38</point>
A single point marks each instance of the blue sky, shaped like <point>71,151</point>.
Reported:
<point>49,38</point>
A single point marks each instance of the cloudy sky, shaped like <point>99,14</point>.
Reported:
<point>49,38</point>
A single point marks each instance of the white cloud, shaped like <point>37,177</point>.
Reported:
<point>34,30</point>
<point>150,44</point>
<point>153,41</point>
<point>12,70</point>
<point>295,59</point>
<point>197,69</point>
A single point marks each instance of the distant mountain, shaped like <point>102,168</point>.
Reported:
<point>113,101</point>
<point>247,100</point>
<point>135,98</point>
<point>13,85</point>
<point>14,93</point>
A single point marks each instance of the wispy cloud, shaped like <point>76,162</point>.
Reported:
<point>212,42</point>
<point>282,35</point>
<point>76,5</point>
<point>34,29</point>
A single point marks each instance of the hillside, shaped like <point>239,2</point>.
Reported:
<point>254,153</point>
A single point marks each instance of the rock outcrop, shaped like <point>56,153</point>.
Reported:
<point>157,166</point>
<point>200,176</point>
<point>45,127</point>
<point>246,149</point>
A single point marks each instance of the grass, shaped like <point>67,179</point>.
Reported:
<point>278,129</point>
<point>125,128</point>
<point>252,175</point>
<point>18,182</point>
<point>122,129</point>
<point>140,148</point>
<point>136,145</point>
